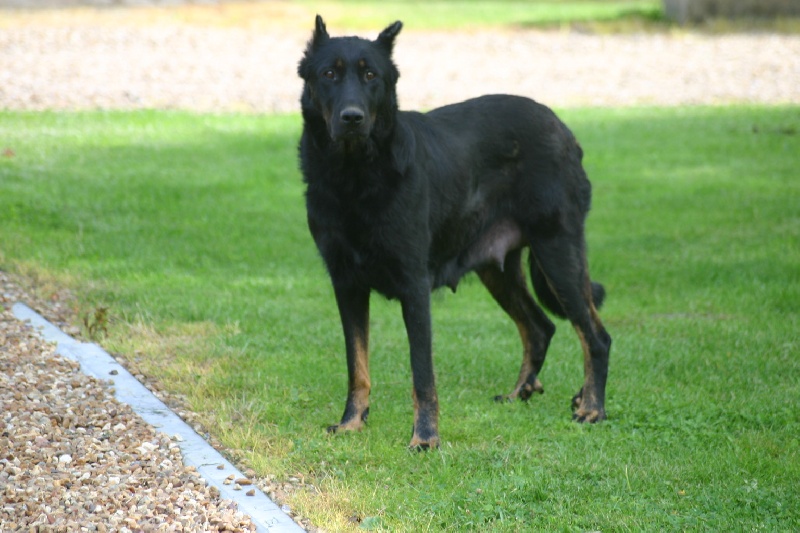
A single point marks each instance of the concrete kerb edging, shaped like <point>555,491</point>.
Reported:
<point>94,361</point>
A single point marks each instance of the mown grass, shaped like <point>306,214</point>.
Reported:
<point>462,14</point>
<point>362,14</point>
<point>191,230</point>
<point>588,16</point>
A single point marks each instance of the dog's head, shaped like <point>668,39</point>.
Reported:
<point>350,82</point>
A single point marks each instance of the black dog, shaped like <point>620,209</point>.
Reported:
<point>404,202</point>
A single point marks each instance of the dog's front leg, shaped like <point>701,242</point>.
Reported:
<point>353,306</point>
<point>417,316</point>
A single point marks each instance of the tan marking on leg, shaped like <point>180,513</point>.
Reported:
<point>417,443</point>
<point>360,386</point>
<point>586,408</point>
<point>588,384</point>
<point>596,322</point>
<point>525,369</point>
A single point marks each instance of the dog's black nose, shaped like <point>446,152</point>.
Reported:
<point>352,116</point>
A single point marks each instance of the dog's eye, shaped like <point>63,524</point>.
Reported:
<point>369,75</point>
<point>329,74</point>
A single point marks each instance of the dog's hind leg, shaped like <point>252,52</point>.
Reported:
<point>354,311</point>
<point>510,290</point>
<point>562,261</point>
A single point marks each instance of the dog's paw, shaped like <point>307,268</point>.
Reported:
<point>420,445</point>
<point>529,389</point>
<point>341,428</point>
<point>523,392</point>
<point>577,400</point>
<point>423,441</point>
<point>586,411</point>
<point>589,416</point>
<point>355,423</point>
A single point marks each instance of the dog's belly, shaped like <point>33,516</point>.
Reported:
<point>488,248</point>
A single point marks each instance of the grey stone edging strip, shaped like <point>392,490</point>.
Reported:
<point>94,361</point>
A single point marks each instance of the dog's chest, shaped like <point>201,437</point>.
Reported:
<point>359,241</point>
<point>363,244</point>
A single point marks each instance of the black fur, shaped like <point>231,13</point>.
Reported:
<point>404,202</point>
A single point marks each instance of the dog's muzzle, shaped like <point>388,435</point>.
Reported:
<point>350,123</point>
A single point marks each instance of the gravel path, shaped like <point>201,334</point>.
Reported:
<point>229,69</point>
<point>69,454</point>
<point>73,457</point>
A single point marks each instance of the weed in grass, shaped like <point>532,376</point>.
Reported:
<point>191,230</point>
<point>96,322</point>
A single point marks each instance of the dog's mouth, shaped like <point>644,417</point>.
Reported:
<point>349,139</point>
<point>352,135</point>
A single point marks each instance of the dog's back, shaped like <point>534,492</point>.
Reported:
<point>498,161</point>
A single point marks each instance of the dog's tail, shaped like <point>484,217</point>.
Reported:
<point>548,298</point>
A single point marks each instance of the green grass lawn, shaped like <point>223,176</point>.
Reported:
<point>369,15</point>
<point>460,14</point>
<point>191,230</point>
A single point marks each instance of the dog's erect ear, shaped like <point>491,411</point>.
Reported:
<point>318,39</point>
<point>386,38</point>
<point>320,33</point>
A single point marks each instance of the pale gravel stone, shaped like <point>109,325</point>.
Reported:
<point>71,452</point>
<point>234,69</point>
<point>73,457</point>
